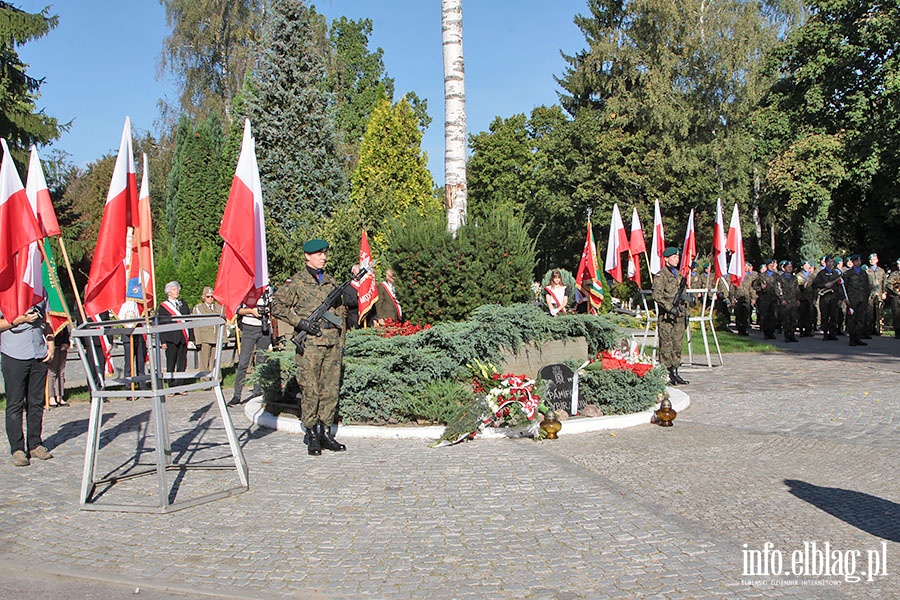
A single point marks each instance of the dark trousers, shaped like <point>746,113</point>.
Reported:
<point>830,310</point>
<point>25,381</point>
<point>742,315</point>
<point>176,357</point>
<point>136,356</point>
<point>252,342</point>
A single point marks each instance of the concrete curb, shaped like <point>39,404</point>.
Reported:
<point>254,411</point>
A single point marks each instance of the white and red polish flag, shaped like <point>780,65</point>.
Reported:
<point>244,269</point>
<point>367,287</point>
<point>618,243</point>
<point>735,243</point>
<point>39,195</point>
<point>19,229</point>
<point>658,245</point>
<point>720,258</point>
<point>141,275</point>
<point>106,286</point>
<point>689,253</point>
<point>636,246</point>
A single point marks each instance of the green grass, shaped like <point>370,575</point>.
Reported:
<point>729,343</point>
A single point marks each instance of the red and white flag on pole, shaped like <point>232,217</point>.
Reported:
<point>587,278</point>
<point>618,243</point>
<point>735,243</point>
<point>658,245</point>
<point>244,269</point>
<point>689,253</point>
<point>141,278</point>
<point>720,258</point>
<point>636,246</point>
<point>20,284</point>
<point>367,287</point>
<point>107,280</point>
<point>39,194</point>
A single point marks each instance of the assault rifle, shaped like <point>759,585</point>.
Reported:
<point>310,325</point>
<point>678,300</point>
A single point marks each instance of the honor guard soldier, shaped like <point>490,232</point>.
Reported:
<point>668,293</point>
<point>319,359</point>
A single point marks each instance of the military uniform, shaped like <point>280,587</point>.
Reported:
<point>892,287</point>
<point>743,297</point>
<point>877,277</point>
<point>670,327</point>
<point>789,292</point>
<point>767,298</point>
<point>829,302</point>
<point>806,312</point>
<point>319,366</point>
<point>857,285</point>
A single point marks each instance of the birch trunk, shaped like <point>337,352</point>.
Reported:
<point>455,190</point>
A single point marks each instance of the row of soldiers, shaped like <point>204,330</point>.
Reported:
<point>835,294</point>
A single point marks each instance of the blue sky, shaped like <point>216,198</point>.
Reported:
<point>100,63</point>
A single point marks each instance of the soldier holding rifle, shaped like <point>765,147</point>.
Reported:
<point>668,291</point>
<point>320,346</point>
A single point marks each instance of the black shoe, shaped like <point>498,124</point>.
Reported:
<point>672,379</point>
<point>861,343</point>
<point>679,378</point>
<point>234,402</point>
<point>313,445</point>
<point>327,440</point>
<point>829,338</point>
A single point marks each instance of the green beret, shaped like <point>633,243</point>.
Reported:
<point>313,246</point>
<point>670,251</point>
<point>873,255</point>
<point>782,263</point>
<point>855,257</point>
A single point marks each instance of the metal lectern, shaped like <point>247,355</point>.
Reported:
<point>84,337</point>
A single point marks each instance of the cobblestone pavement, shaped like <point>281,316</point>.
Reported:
<point>787,449</point>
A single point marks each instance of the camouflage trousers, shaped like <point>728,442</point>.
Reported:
<point>671,334</point>
<point>319,377</point>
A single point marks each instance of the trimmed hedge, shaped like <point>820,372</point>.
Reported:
<point>424,375</point>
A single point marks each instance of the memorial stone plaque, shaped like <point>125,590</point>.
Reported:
<point>559,378</point>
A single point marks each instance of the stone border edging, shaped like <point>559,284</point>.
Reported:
<point>253,410</point>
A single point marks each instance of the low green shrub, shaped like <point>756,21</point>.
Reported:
<point>619,391</point>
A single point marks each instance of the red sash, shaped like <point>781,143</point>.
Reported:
<point>172,312</point>
<point>556,300</point>
<point>394,300</point>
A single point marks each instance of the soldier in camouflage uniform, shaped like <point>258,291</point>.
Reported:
<point>319,364</point>
<point>857,285</point>
<point>789,292</point>
<point>877,296</point>
<point>767,299</point>
<point>892,287</point>
<point>806,312</point>
<point>828,289</point>
<point>742,297</point>
<point>670,321</point>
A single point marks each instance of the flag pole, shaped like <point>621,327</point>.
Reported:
<point>62,247</point>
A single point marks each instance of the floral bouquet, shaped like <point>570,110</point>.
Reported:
<point>626,357</point>
<point>506,400</point>
<point>392,328</point>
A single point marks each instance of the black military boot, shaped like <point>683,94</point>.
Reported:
<point>327,440</point>
<point>673,378</point>
<point>679,378</point>
<point>313,445</point>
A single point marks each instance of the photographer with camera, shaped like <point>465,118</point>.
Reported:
<point>255,325</point>
<point>27,349</point>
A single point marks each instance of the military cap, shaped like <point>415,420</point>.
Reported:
<point>854,257</point>
<point>313,246</point>
<point>769,261</point>
<point>873,255</point>
<point>782,263</point>
<point>670,251</point>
